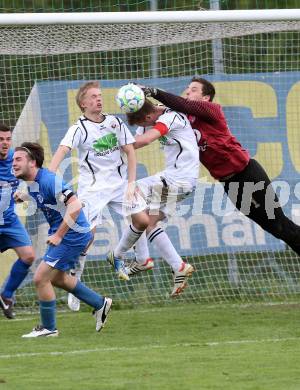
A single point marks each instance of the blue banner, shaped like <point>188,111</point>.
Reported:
<point>263,113</point>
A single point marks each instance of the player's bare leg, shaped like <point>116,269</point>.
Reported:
<point>18,273</point>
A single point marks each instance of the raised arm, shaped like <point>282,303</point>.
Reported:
<point>59,155</point>
<point>206,110</point>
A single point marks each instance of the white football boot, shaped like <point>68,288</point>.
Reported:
<point>102,313</point>
<point>180,278</point>
<point>39,331</point>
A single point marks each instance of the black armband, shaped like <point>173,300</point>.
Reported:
<point>66,195</point>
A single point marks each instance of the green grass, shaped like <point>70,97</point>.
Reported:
<point>173,347</point>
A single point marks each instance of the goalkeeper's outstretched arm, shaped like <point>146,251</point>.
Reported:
<point>204,109</point>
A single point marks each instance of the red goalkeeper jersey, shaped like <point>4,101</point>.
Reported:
<point>220,152</point>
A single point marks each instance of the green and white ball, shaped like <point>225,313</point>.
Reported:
<point>130,98</point>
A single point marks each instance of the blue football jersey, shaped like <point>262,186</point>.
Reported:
<point>8,186</point>
<point>49,191</point>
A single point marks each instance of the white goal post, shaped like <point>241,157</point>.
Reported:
<point>149,17</point>
<point>44,59</point>
<point>97,30</point>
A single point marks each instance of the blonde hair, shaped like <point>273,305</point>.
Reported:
<point>83,90</point>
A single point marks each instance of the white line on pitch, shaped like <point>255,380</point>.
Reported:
<point>18,319</point>
<point>262,341</point>
<point>147,347</point>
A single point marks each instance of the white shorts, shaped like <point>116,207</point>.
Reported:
<point>163,195</point>
<point>94,203</point>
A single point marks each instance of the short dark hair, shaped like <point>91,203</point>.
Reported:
<point>3,127</point>
<point>134,118</point>
<point>35,152</point>
<point>207,87</point>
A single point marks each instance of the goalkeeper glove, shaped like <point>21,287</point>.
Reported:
<point>148,91</point>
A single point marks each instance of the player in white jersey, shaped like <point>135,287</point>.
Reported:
<point>165,189</point>
<point>104,143</point>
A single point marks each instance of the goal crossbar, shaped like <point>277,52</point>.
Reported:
<point>58,33</point>
<point>149,17</point>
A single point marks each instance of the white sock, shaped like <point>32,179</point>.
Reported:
<point>165,247</point>
<point>128,239</point>
<point>80,267</point>
<point>141,249</point>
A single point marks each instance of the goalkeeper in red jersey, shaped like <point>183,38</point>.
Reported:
<point>228,162</point>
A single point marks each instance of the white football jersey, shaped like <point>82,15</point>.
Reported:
<point>102,164</point>
<point>179,145</point>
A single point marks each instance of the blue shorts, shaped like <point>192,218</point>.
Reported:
<point>65,256</point>
<point>13,235</point>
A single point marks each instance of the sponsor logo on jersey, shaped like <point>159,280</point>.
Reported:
<point>106,144</point>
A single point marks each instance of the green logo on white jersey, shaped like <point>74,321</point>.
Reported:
<point>105,143</point>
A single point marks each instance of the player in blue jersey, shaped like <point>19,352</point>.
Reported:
<point>13,234</point>
<point>68,236</point>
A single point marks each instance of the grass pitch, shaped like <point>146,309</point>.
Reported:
<point>180,346</point>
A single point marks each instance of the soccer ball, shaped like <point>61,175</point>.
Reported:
<point>130,98</point>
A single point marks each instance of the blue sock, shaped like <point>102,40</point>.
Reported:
<point>48,314</point>
<point>18,273</point>
<point>88,296</point>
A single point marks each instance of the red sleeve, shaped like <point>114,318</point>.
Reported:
<point>208,111</point>
<point>161,127</point>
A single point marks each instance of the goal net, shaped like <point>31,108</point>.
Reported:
<point>255,67</point>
